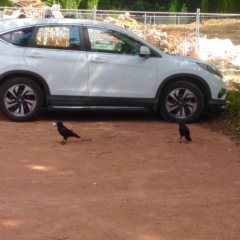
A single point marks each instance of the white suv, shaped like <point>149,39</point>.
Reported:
<point>73,63</point>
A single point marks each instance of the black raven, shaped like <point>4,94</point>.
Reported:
<point>184,132</point>
<point>66,133</point>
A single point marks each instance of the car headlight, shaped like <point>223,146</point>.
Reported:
<point>211,69</point>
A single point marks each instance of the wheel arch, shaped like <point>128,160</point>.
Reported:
<point>196,80</point>
<point>40,81</point>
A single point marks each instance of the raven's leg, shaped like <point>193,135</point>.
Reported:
<point>180,139</point>
<point>186,140</point>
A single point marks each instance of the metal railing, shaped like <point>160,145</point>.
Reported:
<point>179,33</point>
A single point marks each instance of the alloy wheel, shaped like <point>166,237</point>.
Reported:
<point>20,100</point>
<point>181,103</point>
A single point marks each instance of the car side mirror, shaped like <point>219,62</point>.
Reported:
<point>144,51</point>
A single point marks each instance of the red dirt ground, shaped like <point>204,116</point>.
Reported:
<point>126,178</point>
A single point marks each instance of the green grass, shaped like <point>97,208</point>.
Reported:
<point>233,105</point>
<point>228,120</point>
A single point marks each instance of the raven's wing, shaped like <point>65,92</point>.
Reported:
<point>63,131</point>
<point>72,134</point>
<point>66,133</point>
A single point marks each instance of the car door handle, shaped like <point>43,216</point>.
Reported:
<point>98,60</point>
<point>35,55</point>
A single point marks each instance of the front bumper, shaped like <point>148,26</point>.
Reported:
<point>215,104</point>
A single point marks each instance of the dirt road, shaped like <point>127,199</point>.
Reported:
<point>127,178</point>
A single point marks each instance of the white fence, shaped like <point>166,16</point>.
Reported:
<point>212,37</point>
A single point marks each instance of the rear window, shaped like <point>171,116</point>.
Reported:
<point>18,37</point>
<point>58,37</point>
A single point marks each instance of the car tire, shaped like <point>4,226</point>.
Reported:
<point>21,99</point>
<point>181,102</point>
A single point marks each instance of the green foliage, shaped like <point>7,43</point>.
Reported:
<point>232,114</point>
<point>158,7</point>
<point>228,121</point>
<point>214,6</point>
<point>233,106</point>
<point>65,4</point>
<point>204,6</point>
<point>6,3</point>
<point>118,8</point>
<point>184,8</point>
<point>173,6</point>
<point>92,3</point>
<point>141,5</point>
<point>84,5</point>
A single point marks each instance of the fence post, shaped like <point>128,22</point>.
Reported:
<point>197,33</point>
<point>94,12</point>
<point>145,25</point>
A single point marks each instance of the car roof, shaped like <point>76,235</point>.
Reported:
<point>7,24</point>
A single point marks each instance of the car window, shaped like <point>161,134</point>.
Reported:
<point>110,41</point>
<point>58,37</point>
<point>18,37</point>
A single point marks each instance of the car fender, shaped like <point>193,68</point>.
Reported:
<point>24,73</point>
<point>198,81</point>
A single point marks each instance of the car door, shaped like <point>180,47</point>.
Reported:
<point>56,54</point>
<point>115,67</point>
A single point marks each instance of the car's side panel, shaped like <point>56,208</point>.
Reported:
<point>12,55</point>
<point>172,68</point>
<point>117,72</point>
<point>114,75</point>
<point>49,54</point>
<point>66,72</point>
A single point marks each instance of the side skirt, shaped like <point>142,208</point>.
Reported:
<point>86,102</point>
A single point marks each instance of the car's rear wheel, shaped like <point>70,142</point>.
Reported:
<point>181,102</point>
<point>21,99</point>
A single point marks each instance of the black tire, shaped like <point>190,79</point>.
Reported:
<point>21,99</point>
<point>181,102</point>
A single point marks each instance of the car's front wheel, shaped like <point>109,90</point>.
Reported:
<point>21,99</point>
<point>181,102</point>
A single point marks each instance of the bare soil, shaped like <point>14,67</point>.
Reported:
<point>126,178</point>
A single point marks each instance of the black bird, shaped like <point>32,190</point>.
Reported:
<point>65,132</point>
<point>184,132</point>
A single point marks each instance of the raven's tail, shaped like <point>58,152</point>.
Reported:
<point>188,138</point>
<point>75,135</point>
